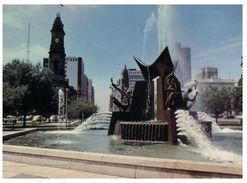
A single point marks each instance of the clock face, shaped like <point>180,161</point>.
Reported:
<point>56,40</point>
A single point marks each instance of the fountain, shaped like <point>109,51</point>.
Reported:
<point>136,122</point>
<point>60,110</point>
<point>91,136</point>
<point>199,141</point>
<point>97,121</point>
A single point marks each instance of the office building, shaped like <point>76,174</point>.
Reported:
<point>183,59</point>
<point>208,77</point>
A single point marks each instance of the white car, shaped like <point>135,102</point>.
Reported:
<point>53,118</point>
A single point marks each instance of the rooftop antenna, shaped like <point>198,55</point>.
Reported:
<point>28,43</point>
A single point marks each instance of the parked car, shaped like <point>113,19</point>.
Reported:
<point>29,117</point>
<point>10,120</point>
<point>53,118</point>
<point>37,118</point>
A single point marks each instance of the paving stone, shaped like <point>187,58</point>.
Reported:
<point>13,170</point>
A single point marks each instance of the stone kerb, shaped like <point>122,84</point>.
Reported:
<point>119,165</point>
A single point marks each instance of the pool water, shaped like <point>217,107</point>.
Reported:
<point>98,141</point>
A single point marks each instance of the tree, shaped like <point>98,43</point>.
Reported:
<point>237,99</point>
<point>216,101</point>
<point>19,75</point>
<point>43,95</point>
<point>26,88</point>
<point>238,94</point>
<point>78,107</point>
<point>13,98</point>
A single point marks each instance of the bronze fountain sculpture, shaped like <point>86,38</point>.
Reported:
<point>134,121</point>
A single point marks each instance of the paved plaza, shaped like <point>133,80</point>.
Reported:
<point>19,170</point>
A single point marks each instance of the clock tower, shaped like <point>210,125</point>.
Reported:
<point>56,60</point>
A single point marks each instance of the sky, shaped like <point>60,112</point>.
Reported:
<point>108,36</point>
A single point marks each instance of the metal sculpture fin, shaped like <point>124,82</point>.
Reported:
<point>162,66</point>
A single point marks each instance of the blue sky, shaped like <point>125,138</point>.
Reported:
<point>107,37</point>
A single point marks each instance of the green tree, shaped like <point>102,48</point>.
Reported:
<point>26,88</point>
<point>43,95</point>
<point>238,93</point>
<point>19,74</point>
<point>237,99</point>
<point>13,98</point>
<point>216,101</point>
<point>78,107</point>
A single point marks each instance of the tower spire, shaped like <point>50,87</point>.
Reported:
<point>58,14</point>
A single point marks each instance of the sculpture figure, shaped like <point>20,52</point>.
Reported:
<point>126,95</point>
<point>186,95</point>
<point>172,90</point>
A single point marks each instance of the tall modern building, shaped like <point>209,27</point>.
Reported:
<point>85,87</point>
<point>74,72</point>
<point>183,58</point>
<point>187,64</point>
<point>92,97</point>
<point>89,88</point>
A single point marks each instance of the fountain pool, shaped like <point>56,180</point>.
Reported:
<point>98,141</point>
<point>224,146</point>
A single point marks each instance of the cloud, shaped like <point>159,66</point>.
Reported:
<point>225,47</point>
<point>16,52</point>
<point>10,20</point>
<point>76,8</point>
<point>37,52</point>
<point>15,16</point>
<point>225,56</point>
